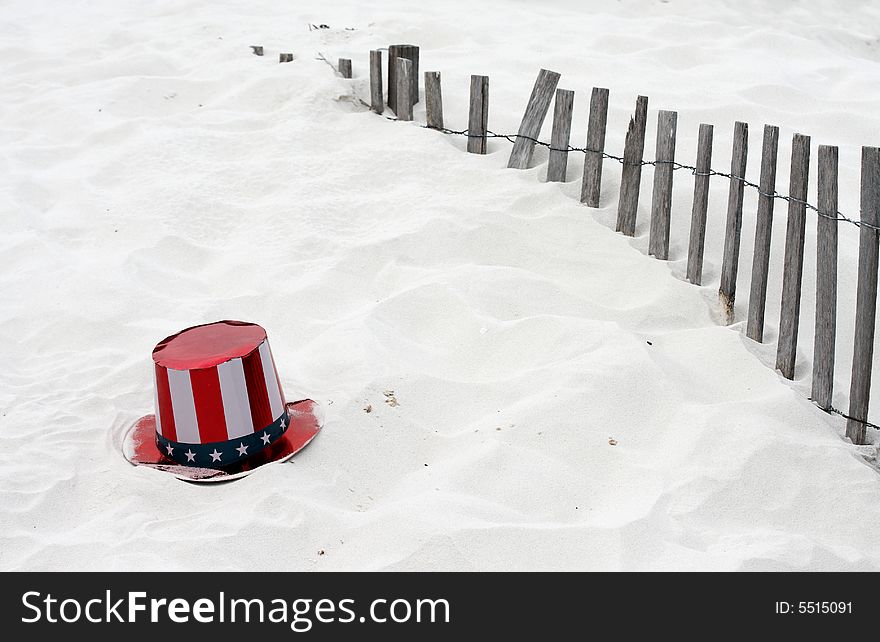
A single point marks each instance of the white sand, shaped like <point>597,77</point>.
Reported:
<point>155,175</point>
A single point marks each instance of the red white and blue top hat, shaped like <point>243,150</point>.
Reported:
<point>219,404</point>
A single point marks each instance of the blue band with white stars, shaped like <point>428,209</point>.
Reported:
<point>223,453</point>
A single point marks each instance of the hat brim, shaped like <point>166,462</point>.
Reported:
<point>139,447</point>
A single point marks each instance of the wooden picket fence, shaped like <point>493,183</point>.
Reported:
<point>403,93</point>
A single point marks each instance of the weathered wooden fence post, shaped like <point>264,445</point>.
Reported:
<point>661,199</point>
<point>592,185</point>
<point>826,279</point>
<point>411,52</point>
<point>257,49</point>
<point>433,100</point>
<point>559,139</point>
<point>530,127</point>
<point>631,174</point>
<point>733,230</point>
<point>393,51</point>
<point>866,297</point>
<point>793,267</point>
<point>404,110</point>
<point>377,104</point>
<point>763,233</point>
<point>478,116</point>
<point>345,67</point>
<point>285,57</point>
<point>697,241</point>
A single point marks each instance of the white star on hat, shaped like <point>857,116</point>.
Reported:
<point>190,455</point>
<point>215,456</point>
<point>242,449</point>
<point>265,438</point>
<point>284,422</point>
<point>169,449</point>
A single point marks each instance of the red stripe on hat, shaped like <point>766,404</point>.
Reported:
<point>166,412</point>
<point>261,411</point>
<point>209,404</point>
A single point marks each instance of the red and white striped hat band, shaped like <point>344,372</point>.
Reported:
<point>218,396</point>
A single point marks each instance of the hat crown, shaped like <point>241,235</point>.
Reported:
<point>203,346</point>
<point>217,389</point>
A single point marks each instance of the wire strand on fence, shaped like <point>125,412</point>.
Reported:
<point>834,411</point>
<point>837,216</point>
